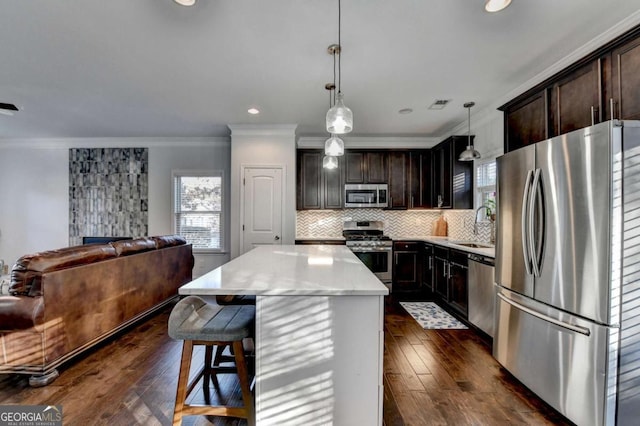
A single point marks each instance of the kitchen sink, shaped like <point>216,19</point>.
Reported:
<point>472,245</point>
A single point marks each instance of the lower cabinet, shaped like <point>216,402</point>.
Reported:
<point>450,276</point>
<point>426,263</point>
<point>406,266</point>
<point>458,277</point>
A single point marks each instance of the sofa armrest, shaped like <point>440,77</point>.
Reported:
<point>20,312</point>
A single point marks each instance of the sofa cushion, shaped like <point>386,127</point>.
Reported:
<point>27,271</point>
<point>169,241</point>
<point>138,245</point>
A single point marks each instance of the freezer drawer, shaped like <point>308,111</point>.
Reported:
<point>566,367</point>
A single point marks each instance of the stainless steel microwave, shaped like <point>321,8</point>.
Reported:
<point>366,195</point>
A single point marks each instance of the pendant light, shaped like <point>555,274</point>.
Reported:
<point>330,162</point>
<point>334,146</point>
<point>470,153</point>
<point>339,117</point>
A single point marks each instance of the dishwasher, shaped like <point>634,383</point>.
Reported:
<point>481,292</point>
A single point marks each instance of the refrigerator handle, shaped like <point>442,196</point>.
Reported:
<point>575,328</point>
<point>524,222</point>
<point>533,197</point>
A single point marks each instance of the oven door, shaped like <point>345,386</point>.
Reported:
<point>378,260</point>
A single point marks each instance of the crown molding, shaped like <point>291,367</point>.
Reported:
<point>64,143</point>
<point>372,142</point>
<point>620,28</point>
<point>262,129</point>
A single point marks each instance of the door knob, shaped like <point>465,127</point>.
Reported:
<point>277,238</point>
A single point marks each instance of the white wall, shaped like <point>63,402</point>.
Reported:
<point>263,145</point>
<point>34,199</point>
<point>34,188</point>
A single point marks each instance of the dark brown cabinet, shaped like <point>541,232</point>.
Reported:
<point>458,277</point>
<point>440,272</point>
<point>450,277</point>
<point>602,86</point>
<point>420,179</point>
<point>625,63</point>
<point>398,183</point>
<point>452,179</point>
<point>365,166</point>
<point>426,262</point>
<point>411,175</point>
<point>576,100</point>
<point>406,266</point>
<point>526,122</point>
<point>318,188</point>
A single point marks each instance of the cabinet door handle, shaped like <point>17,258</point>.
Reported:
<point>612,105</point>
<point>593,118</point>
<point>430,263</point>
<point>444,269</point>
<point>412,201</point>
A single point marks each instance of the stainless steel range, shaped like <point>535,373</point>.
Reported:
<point>366,240</point>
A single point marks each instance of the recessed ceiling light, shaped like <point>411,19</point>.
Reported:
<point>185,2</point>
<point>496,5</point>
<point>405,111</point>
<point>253,111</point>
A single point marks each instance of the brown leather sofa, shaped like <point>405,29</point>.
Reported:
<point>65,301</point>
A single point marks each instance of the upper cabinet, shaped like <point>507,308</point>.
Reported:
<point>625,99</point>
<point>576,100</point>
<point>412,176</point>
<point>366,166</point>
<point>398,180</point>
<point>526,121</point>
<point>604,85</point>
<point>318,188</point>
<point>420,179</point>
<point>452,179</point>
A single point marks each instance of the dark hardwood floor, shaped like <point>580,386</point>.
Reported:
<point>431,377</point>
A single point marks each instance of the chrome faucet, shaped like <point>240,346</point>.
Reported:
<point>475,221</point>
<point>492,238</point>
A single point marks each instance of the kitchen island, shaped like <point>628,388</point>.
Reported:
<point>319,332</point>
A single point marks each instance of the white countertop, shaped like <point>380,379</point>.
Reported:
<point>442,241</point>
<point>450,243</point>
<point>290,270</point>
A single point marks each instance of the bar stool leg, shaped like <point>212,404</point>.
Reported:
<point>183,378</point>
<point>243,375</point>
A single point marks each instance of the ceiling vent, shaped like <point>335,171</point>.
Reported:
<point>439,104</point>
<point>7,109</point>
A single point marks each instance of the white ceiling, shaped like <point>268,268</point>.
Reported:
<point>123,68</point>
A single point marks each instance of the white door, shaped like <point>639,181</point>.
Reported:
<point>262,207</point>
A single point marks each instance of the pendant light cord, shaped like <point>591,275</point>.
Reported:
<point>334,82</point>
<point>469,132</point>
<point>340,47</point>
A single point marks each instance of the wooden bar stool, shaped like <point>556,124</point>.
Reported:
<point>197,322</point>
<point>228,299</point>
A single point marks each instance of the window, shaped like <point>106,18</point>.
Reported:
<point>486,184</point>
<point>198,208</point>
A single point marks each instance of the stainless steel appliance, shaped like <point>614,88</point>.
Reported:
<point>567,316</point>
<point>481,292</point>
<point>366,195</point>
<point>366,240</point>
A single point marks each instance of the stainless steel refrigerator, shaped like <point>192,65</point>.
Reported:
<point>567,319</point>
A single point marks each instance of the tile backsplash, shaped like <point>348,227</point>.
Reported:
<point>397,223</point>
